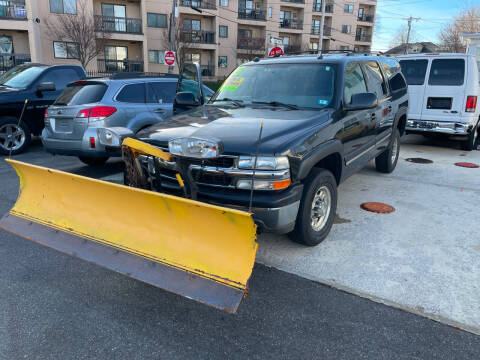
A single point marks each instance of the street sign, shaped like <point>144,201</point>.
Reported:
<point>275,51</point>
<point>169,58</point>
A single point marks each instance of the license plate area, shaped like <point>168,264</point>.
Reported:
<point>61,125</point>
<point>439,103</point>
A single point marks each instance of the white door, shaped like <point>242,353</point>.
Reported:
<point>415,71</point>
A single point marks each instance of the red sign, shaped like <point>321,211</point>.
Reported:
<point>275,51</point>
<point>169,58</point>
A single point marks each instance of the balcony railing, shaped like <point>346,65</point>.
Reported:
<point>198,36</point>
<point>251,43</point>
<point>118,24</point>
<point>13,12</point>
<point>207,70</point>
<point>327,30</point>
<point>293,48</point>
<point>317,7</point>
<point>366,18</point>
<point>8,61</point>
<point>363,38</point>
<point>252,14</point>
<point>291,24</point>
<point>112,66</point>
<point>295,1</point>
<point>199,4</point>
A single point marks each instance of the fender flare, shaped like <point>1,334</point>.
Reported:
<point>321,152</point>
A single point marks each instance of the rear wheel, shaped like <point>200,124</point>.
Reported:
<point>93,161</point>
<point>317,208</point>
<point>387,161</point>
<point>472,140</point>
<point>14,136</point>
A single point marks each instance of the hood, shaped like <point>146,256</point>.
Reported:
<point>238,128</point>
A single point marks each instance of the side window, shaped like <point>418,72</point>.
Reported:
<point>397,83</point>
<point>189,81</point>
<point>376,81</point>
<point>354,82</point>
<point>164,91</point>
<point>134,93</point>
<point>414,71</point>
<point>447,72</point>
<point>60,77</point>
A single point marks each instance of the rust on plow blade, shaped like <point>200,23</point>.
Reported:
<point>203,252</point>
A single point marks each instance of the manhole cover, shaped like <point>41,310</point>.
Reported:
<point>378,208</point>
<point>419,160</point>
<point>467,165</point>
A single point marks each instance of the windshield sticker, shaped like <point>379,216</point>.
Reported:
<point>327,68</point>
<point>232,84</point>
<point>322,102</point>
<point>239,71</point>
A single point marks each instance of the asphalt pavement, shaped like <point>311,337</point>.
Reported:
<point>53,306</point>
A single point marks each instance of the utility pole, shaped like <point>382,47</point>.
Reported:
<point>172,31</point>
<point>322,23</point>
<point>410,19</point>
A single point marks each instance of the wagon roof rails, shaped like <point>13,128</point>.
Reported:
<point>139,75</point>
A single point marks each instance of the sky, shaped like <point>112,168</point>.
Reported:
<point>434,14</point>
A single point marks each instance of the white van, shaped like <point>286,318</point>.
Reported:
<point>443,91</point>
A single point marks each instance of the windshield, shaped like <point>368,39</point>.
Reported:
<point>20,77</point>
<point>301,85</point>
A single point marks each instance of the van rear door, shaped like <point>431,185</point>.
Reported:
<point>444,97</point>
<point>415,71</point>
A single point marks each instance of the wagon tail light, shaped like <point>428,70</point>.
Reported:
<point>471,104</point>
<point>96,113</point>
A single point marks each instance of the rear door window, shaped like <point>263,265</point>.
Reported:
<point>82,94</point>
<point>414,71</point>
<point>447,72</point>
<point>161,92</point>
<point>133,93</point>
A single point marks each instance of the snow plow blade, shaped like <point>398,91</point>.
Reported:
<point>197,250</point>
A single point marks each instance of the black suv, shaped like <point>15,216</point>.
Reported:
<point>40,85</point>
<point>291,128</point>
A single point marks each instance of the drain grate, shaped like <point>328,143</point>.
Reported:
<point>419,160</point>
<point>467,165</point>
<point>378,208</point>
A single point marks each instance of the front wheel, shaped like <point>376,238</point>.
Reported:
<point>472,140</point>
<point>317,208</point>
<point>387,161</point>
<point>93,161</point>
<point>14,136</point>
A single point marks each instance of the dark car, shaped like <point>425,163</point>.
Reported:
<point>40,85</point>
<point>279,136</point>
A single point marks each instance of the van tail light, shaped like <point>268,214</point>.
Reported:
<point>45,114</point>
<point>471,104</point>
<point>96,113</point>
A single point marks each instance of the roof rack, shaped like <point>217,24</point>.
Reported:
<point>137,75</point>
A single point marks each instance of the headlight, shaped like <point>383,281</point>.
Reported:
<point>195,148</point>
<point>113,136</point>
<point>246,184</point>
<point>264,163</point>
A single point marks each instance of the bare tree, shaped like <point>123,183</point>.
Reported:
<point>467,21</point>
<point>183,41</point>
<point>82,29</point>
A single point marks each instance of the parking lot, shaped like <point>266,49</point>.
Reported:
<point>423,258</point>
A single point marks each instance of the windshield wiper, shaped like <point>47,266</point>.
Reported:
<point>277,103</point>
<point>238,103</point>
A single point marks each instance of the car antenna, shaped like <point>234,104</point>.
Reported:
<point>18,125</point>
<point>255,167</point>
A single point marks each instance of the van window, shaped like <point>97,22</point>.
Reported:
<point>447,72</point>
<point>414,71</point>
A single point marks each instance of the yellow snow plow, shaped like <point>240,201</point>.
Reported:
<point>201,251</point>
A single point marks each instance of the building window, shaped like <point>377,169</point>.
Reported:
<point>63,6</point>
<point>285,40</point>
<point>347,29</point>
<point>192,24</point>
<point>342,47</point>
<point>156,56</point>
<point>6,45</point>
<point>269,12</point>
<point>222,31</point>
<point>314,45</point>
<point>222,61</point>
<point>348,8</point>
<point>65,50</point>
<point>223,2</point>
<point>157,20</point>
<point>192,58</point>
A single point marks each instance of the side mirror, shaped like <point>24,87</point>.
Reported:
<point>362,101</point>
<point>46,86</point>
<point>185,99</point>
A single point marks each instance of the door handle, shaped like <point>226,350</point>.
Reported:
<point>374,116</point>
<point>159,111</point>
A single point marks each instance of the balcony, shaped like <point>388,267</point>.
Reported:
<point>363,38</point>
<point>367,18</point>
<point>207,70</point>
<point>327,30</point>
<point>8,61</point>
<point>291,24</point>
<point>295,1</point>
<point>113,66</point>
<point>292,49</point>
<point>251,43</point>
<point>197,37</point>
<point>200,4</point>
<point>248,14</point>
<point>317,7</point>
<point>113,24</point>
<point>13,12</point>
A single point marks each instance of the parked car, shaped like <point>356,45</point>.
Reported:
<point>75,121</point>
<point>286,131</point>
<point>40,85</point>
<point>444,89</point>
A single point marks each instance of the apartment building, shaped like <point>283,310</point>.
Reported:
<point>218,34</point>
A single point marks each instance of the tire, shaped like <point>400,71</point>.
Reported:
<point>387,161</point>
<point>14,136</point>
<point>310,230</point>
<point>93,161</point>
<point>472,140</point>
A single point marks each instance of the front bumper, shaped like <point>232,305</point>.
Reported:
<point>442,127</point>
